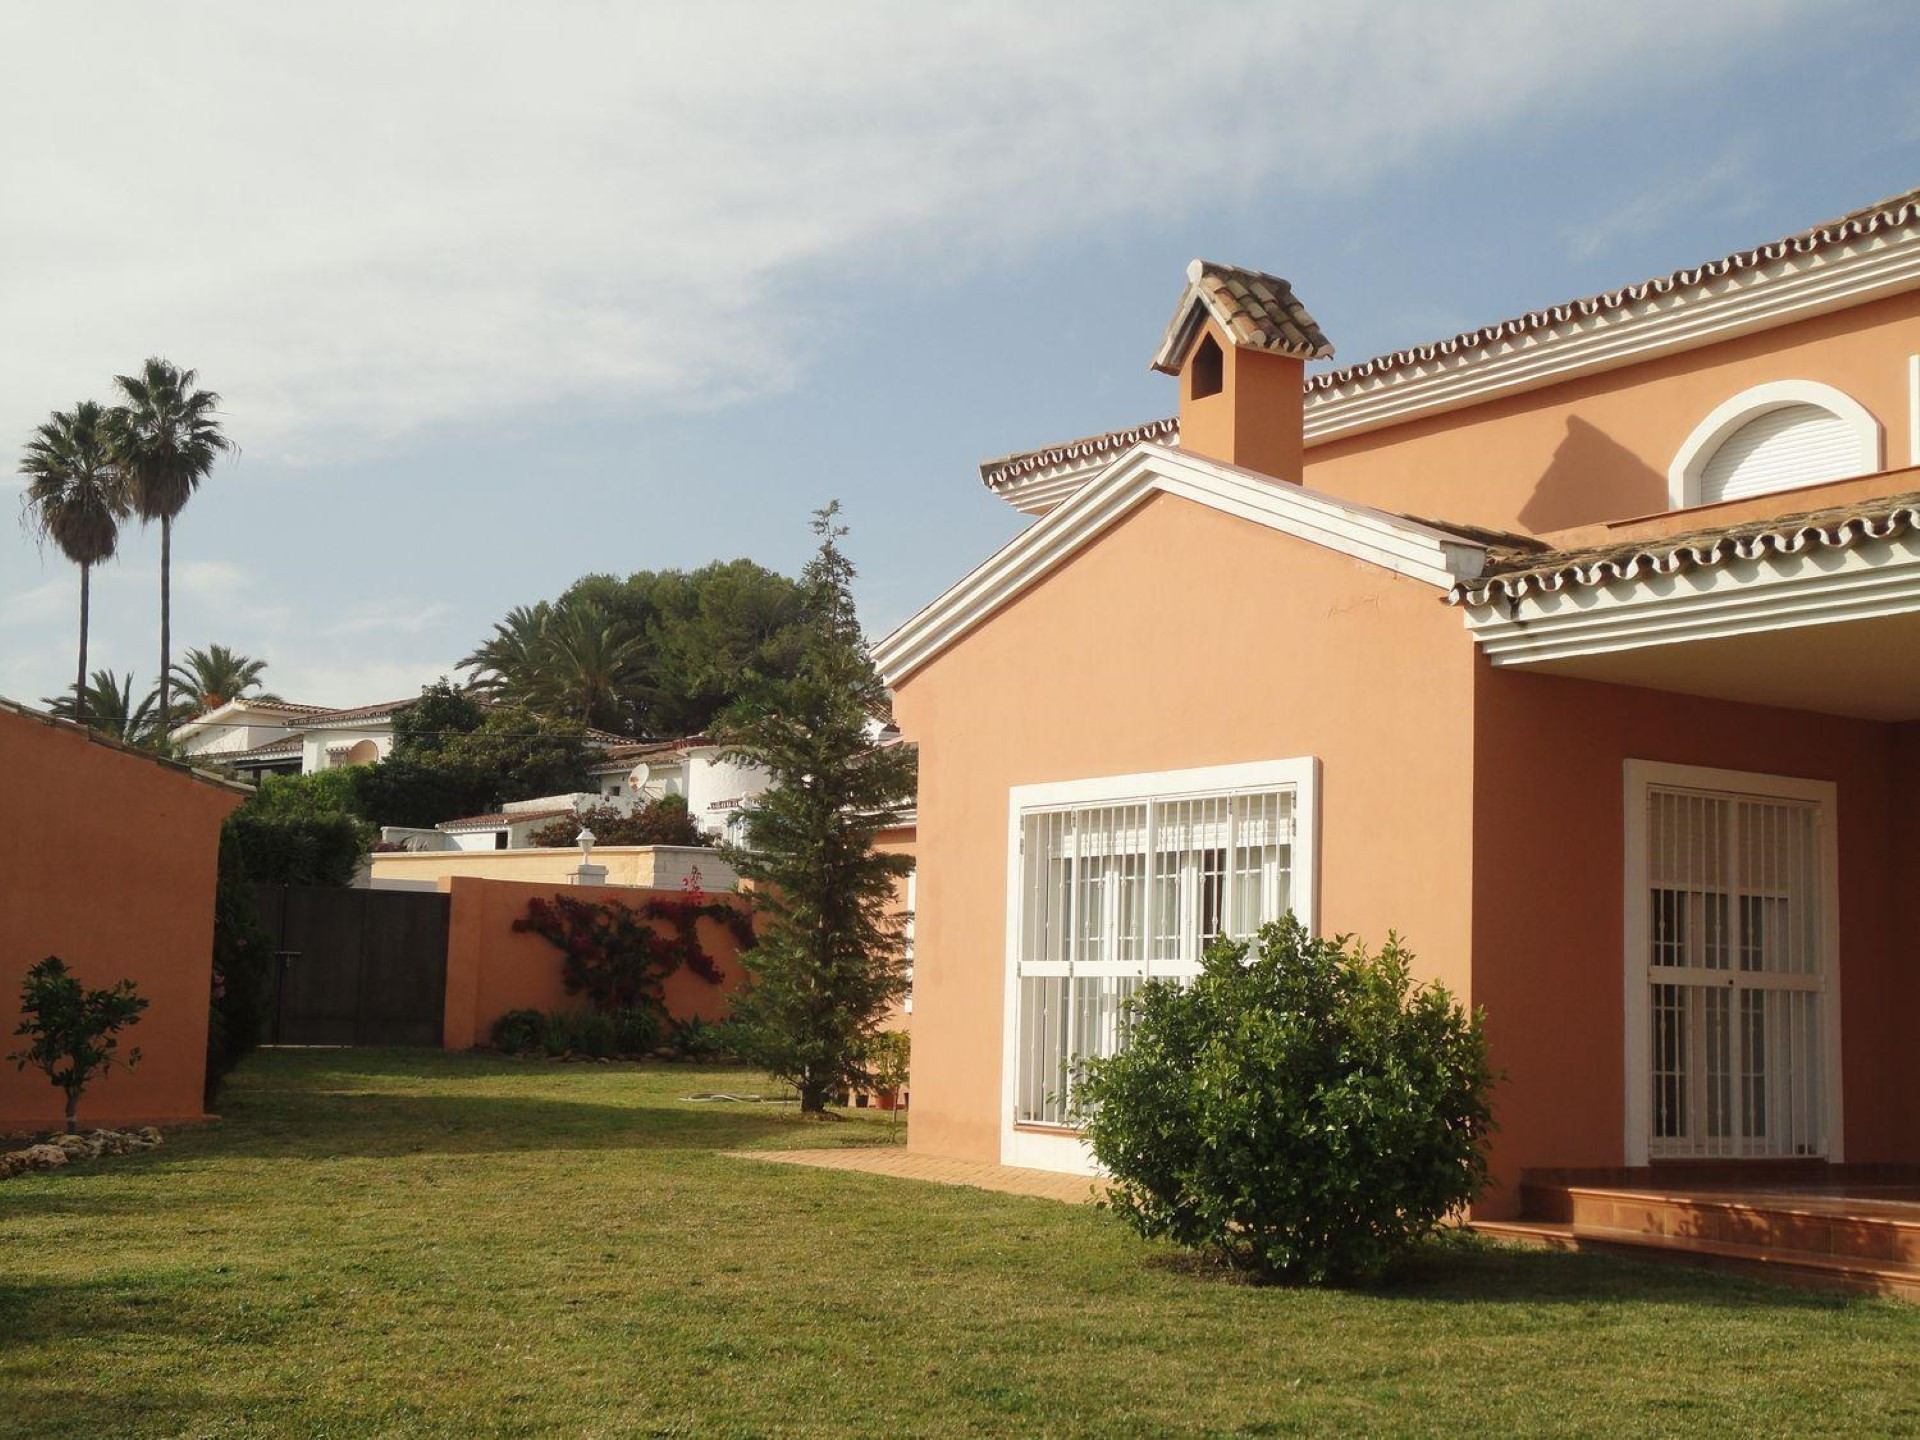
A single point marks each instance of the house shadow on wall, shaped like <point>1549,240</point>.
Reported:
<point>1592,478</point>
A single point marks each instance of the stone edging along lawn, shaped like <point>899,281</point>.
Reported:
<point>61,1149</point>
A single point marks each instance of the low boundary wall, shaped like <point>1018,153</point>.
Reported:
<point>493,968</point>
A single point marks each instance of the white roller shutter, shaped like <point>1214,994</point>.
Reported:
<point>1780,450</point>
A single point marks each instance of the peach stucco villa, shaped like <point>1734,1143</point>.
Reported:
<point>1579,649</point>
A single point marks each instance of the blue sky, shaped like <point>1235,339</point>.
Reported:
<point>497,296</point>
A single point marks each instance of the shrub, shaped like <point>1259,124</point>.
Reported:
<point>622,1034</point>
<point>659,822</point>
<point>73,1031</point>
<point>317,849</point>
<point>242,971</point>
<point>636,1032</point>
<point>517,1031</point>
<point>1301,1110</point>
<point>700,1040</point>
<point>556,1032</point>
<point>888,1056</point>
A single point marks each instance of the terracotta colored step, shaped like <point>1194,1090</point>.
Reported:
<point>1822,1272</point>
<point>1872,1233</point>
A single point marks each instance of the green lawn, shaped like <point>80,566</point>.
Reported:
<point>379,1243</point>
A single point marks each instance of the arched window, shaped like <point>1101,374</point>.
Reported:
<point>1775,437</point>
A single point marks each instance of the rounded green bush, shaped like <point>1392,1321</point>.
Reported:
<point>518,1031</point>
<point>1301,1110</point>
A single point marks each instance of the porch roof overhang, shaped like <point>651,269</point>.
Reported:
<point>1816,611</point>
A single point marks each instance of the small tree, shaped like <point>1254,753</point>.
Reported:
<point>1302,1109</point>
<point>72,1030</point>
<point>829,965</point>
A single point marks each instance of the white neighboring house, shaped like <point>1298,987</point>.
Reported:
<point>273,737</point>
<point>361,735</point>
<point>509,828</point>
<point>694,768</point>
<point>630,774</point>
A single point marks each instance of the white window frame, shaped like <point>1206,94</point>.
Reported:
<point>1640,775</point>
<point>1683,476</point>
<point>1046,1148</point>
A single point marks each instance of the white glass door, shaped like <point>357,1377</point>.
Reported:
<point>1735,966</point>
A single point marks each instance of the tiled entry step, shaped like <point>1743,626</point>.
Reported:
<point>1863,1240</point>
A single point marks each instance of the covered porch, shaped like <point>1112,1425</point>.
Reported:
<point>1734,696</point>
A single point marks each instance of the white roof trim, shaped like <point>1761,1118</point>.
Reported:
<point>1868,580</point>
<point>1392,542</point>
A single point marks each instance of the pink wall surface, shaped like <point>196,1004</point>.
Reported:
<point>1184,637</point>
<point>1598,449</point>
<point>1548,903</point>
<point>108,860</point>
<point>492,968</point>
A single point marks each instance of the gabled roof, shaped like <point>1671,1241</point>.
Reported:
<point>1414,548</point>
<point>1257,311</point>
<point>285,711</point>
<point>1514,572</point>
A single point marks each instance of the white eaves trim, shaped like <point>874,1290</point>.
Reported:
<point>1392,542</point>
<point>1868,580</point>
<point>1794,287</point>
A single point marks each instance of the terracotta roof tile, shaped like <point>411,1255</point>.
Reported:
<point>502,818</point>
<point>1256,310</point>
<point>1868,220</point>
<point>289,745</point>
<point>996,473</point>
<point>361,712</point>
<point>1515,571</point>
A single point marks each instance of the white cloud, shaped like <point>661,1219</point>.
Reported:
<point>360,219</point>
<point>1726,183</point>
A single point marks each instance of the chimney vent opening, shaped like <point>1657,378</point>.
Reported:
<point>1205,373</point>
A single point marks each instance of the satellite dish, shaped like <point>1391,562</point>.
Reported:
<point>638,775</point>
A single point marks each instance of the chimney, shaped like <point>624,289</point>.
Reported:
<point>1239,343</point>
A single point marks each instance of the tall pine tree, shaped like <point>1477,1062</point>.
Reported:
<point>830,964</point>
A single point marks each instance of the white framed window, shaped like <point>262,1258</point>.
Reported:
<point>1732,1005</point>
<point>1773,437</point>
<point>1115,881</point>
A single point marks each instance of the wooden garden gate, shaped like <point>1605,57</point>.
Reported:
<point>355,967</point>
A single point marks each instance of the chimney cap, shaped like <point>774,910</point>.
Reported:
<point>1255,310</point>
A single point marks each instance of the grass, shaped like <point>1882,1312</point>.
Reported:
<point>388,1243</point>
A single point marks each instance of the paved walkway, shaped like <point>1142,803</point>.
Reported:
<point>897,1161</point>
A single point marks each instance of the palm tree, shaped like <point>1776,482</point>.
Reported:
<point>508,665</point>
<point>165,440</point>
<point>77,499</point>
<point>106,704</point>
<point>209,678</point>
<point>589,663</point>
